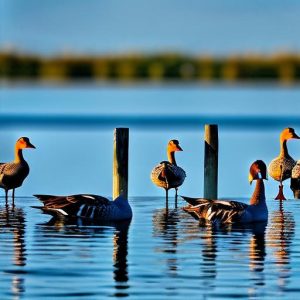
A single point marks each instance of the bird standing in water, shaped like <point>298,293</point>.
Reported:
<point>12,174</point>
<point>280,168</point>
<point>167,174</point>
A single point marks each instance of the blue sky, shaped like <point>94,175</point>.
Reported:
<point>111,26</point>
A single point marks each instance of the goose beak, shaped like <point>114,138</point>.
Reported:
<point>250,178</point>
<point>178,148</point>
<point>30,146</point>
<point>295,136</point>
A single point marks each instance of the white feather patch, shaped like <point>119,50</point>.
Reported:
<point>222,202</point>
<point>88,196</point>
<point>60,211</point>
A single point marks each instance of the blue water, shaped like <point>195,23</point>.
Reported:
<point>162,254</point>
<point>158,255</point>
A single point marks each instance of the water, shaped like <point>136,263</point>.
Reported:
<point>160,254</point>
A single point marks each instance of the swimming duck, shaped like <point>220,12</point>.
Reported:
<point>167,174</point>
<point>281,167</point>
<point>86,206</point>
<point>295,180</point>
<point>224,212</point>
<point>12,174</point>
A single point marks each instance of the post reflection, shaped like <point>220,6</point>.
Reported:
<point>280,234</point>
<point>12,223</point>
<point>120,253</point>
<point>80,227</point>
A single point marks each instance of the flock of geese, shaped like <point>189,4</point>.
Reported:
<point>167,175</point>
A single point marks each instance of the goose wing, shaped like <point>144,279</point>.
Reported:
<point>83,205</point>
<point>167,175</point>
<point>217,210</point>
<point>7,174</point>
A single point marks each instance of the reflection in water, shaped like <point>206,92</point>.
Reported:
<point>210,236</point>
<point>280,234</point>
<point>209,254</point>
<point>165,223</point>
<point>120,259</point>
<point>12,222</point>
<point>79,226</point>
<point>257,249</point>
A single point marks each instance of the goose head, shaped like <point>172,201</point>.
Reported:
<point>24,143</point>
<point>288,133</point>
<point>258,170</point>
<point>173,146</point>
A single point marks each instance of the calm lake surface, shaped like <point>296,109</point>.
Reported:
<point>160,254</point>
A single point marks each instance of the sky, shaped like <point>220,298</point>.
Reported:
<point>214,27</point>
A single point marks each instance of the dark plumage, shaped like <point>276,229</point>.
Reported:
<point>87,206</point>
<point>167,174</point>
<point>222,211</point>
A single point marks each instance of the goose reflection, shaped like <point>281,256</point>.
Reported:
<point>279,239</point>
<point>231,239</point>
<point>212,235</point>
<point>165,225</point>
<point>12,223</point>
<point>79,227</point>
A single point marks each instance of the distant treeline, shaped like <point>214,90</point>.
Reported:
<point>280,67</point>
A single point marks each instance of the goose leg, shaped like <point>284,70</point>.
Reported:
<point>6,197</point>
<point>167,198</point>
<point>176,196</point>
<point>280,195</point>
<point>13,198</point>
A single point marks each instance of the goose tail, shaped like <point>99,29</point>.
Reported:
<point>193,201</point>
<point>55,212</point>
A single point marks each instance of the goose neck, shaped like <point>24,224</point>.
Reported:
<point>171,157</point>
<point>258,196</point>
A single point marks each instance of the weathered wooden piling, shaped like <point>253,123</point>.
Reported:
<point>211,148</point>
<point>120,162</point>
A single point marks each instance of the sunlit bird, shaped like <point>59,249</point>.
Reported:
<point>86,206</point>
<point>12,174</point>
<point>280,168</point>
<point>224,212</point>
<point>167,174</point>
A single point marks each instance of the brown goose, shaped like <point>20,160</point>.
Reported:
<point>223,212</point>
<point>86,206</point>
<point>280,168</point>
<point>12,174</point>
<point>167,174</point>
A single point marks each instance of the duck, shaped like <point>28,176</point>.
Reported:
<point>85,206</point>
<point>280,168</point>
<point>295,180</point>
<point>227,211</point>
<point>13,174</point>
<point>167,174</point>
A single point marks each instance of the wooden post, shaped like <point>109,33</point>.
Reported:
<point>120,163</point>
<point>211,162</point>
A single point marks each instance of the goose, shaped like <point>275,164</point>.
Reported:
<point>12,174</point>
<point>295,180</point>
<point>86,206</point>
<point>224,212</point>
<point>280,168</point>
<point>167,174</point>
